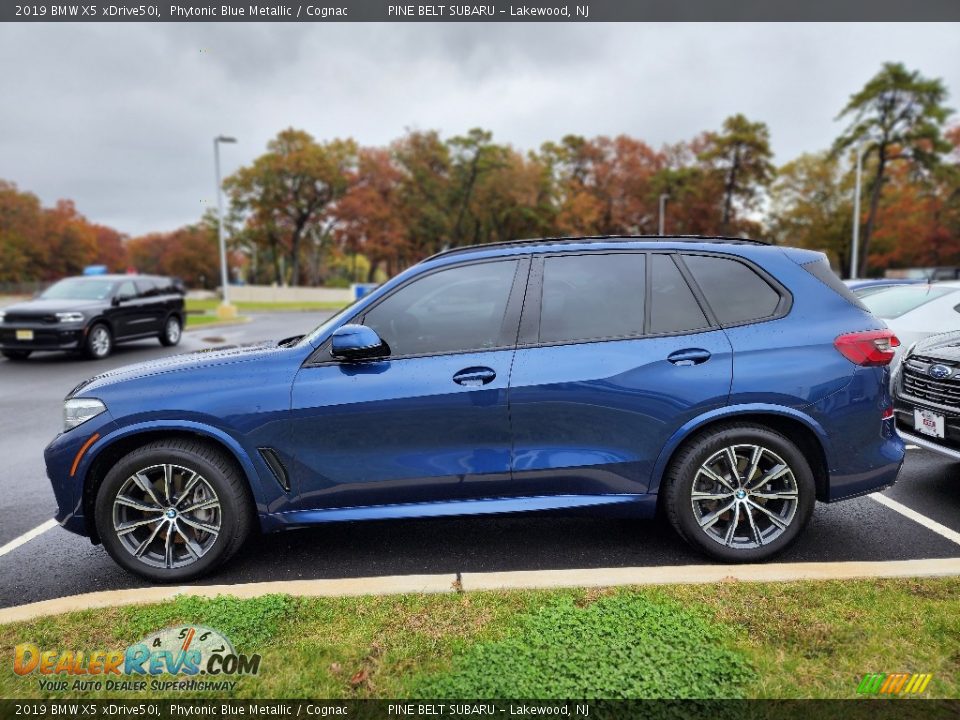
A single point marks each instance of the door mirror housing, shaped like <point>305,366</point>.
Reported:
<point>357,342</point>
<point>118,299</point>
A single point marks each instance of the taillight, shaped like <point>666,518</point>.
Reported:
<point>872,348</point>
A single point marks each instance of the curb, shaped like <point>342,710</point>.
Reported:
<point>519,580</point>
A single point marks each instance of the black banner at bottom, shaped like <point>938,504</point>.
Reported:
<point>853,709</point>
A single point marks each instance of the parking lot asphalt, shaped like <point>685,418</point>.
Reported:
<point>57,563</point>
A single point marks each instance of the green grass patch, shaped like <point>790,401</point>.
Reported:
<point>194,305</point>
<point>775,640</point>
<point>198,320</point>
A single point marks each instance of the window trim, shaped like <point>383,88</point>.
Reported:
<point>509,327</point>
<point>784,305</point>
<point>532,309</point>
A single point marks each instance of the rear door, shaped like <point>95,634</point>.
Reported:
<point>616,353</point>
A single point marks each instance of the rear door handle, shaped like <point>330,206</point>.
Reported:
<point>474,376</point>
<point>689,356</point>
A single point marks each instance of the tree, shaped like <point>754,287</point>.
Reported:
<point>898,116</point>
<point>289,192</point>
<point>190,253</point>
<point>742,154</point>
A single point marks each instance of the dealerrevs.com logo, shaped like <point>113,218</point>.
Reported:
<point>184,650</point>
<point>894,683</point>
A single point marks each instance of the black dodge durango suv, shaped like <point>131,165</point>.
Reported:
<point>89,315</point>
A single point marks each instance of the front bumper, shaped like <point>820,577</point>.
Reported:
<point>929,444</point>
<point>45,336</point>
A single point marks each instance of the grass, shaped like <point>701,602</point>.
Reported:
<point>775,640</point>
<point>195,320</point>
<point>194,306</point>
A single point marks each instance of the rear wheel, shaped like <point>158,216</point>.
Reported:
<point>173,510</point>
<point>740,493</point>
<point>172,330</point>
<point>16,355</point>
<point>99,342</point>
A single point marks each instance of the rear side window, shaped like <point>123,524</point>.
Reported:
<point>673,308</point>
<point>734,291</point>
<point>822,271</point>
<point>590,297</point>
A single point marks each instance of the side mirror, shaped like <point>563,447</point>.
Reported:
<point>357,342</point>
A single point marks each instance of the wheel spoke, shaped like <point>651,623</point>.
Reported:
<point>700,496</point>
<point>781,495</point>
<point>732,528</point>
<point>197,525</point>
<point>142,547</point>
<point>137,505</point>
<point>757,537</point>
<point>129,527</point>
<point>191,546</point>
<point>732,461</point>
<point>717,478</point>
<point>145,485</point>
<point>194,479</point>
<point>708,521</point>
<point>754,462</point>
<point>168,483</point>
<point>207,504</point>
<point>775,519</point>
<point>168,546</point>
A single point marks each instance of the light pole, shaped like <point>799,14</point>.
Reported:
<point>226,310</point>
<point>663,202</point>
<point>854,251</point>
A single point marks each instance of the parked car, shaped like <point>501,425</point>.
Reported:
<point>926,390</point>
<point>863,287</point>
<point>90,314</point>
<point>729,382</point>
<point>915,312</point>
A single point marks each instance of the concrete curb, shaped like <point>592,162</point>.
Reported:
<point>524,579</point>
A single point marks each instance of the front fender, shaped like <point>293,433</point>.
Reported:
<point>731,412</point>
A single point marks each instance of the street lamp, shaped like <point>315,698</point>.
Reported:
<point>663,202</point>
<point>226,310</point>
<point>854,251</point>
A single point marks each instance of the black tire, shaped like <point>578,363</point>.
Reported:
<point>226,486</point>
<point>16,355</point>
<point>98,342</point>
<point>172,331</point>
<point>746,543</point>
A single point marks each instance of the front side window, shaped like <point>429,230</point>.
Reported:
<point>126,290</point>
<point>734,291</point>
<point>460,309</point>
<point>592,297</point>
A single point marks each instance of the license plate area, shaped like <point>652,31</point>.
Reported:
<point>928,423</point>
<point>24,335</point>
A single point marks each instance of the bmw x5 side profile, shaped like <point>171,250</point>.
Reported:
<point>730,383</point>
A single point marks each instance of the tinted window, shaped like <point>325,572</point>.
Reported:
<point>453,310</point>
<point>735,292</point>
<point>673,307</point>
<point>822,271</point>
<point>126,289</point>
<point>899,299</point>
<point>588,297</point>
<point>148,287</point>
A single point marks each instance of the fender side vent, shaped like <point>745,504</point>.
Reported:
<point>270,457</point>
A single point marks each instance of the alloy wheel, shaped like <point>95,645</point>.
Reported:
<point>744,496</point>
<point>173,331</point>
<point>167,516</point>
<point>100,341</point>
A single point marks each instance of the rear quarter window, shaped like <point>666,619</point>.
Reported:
<point>822,271</point>
<point>734,291</point>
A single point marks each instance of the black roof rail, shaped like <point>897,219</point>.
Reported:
<point>601,238</point>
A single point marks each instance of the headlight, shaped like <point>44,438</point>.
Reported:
<point>79,410</point>
<point>70,317</point>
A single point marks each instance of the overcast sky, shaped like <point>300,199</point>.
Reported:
<point>120,117</point>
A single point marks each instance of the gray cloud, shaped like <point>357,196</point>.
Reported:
<point>120,117</point>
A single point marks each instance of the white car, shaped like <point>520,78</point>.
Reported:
<point>915,312</point>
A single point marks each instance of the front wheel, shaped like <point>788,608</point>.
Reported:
<point>740,493</point>
<point>173,510</point>
<point>172,331</point>
<point>99,342</point>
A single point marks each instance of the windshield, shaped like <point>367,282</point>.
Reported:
<point>900,299</point>
<point>77,289</point>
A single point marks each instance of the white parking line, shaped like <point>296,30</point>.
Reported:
<point>942,530</point>
<point>912,447</point>
<point>27,537</point>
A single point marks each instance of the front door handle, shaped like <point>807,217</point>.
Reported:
<point>689,356</point>
<point>474,376</point>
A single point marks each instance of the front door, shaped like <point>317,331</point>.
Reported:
<point>426,422</point>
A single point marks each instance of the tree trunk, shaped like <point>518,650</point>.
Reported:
<point>872,215</point>
<point>728,192</point>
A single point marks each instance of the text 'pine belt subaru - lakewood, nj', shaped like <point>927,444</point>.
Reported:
<point>731,382</point>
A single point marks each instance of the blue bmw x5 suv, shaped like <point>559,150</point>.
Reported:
<point>729,382</point>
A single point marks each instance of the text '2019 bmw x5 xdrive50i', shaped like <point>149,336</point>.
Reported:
<point>730,382</point>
